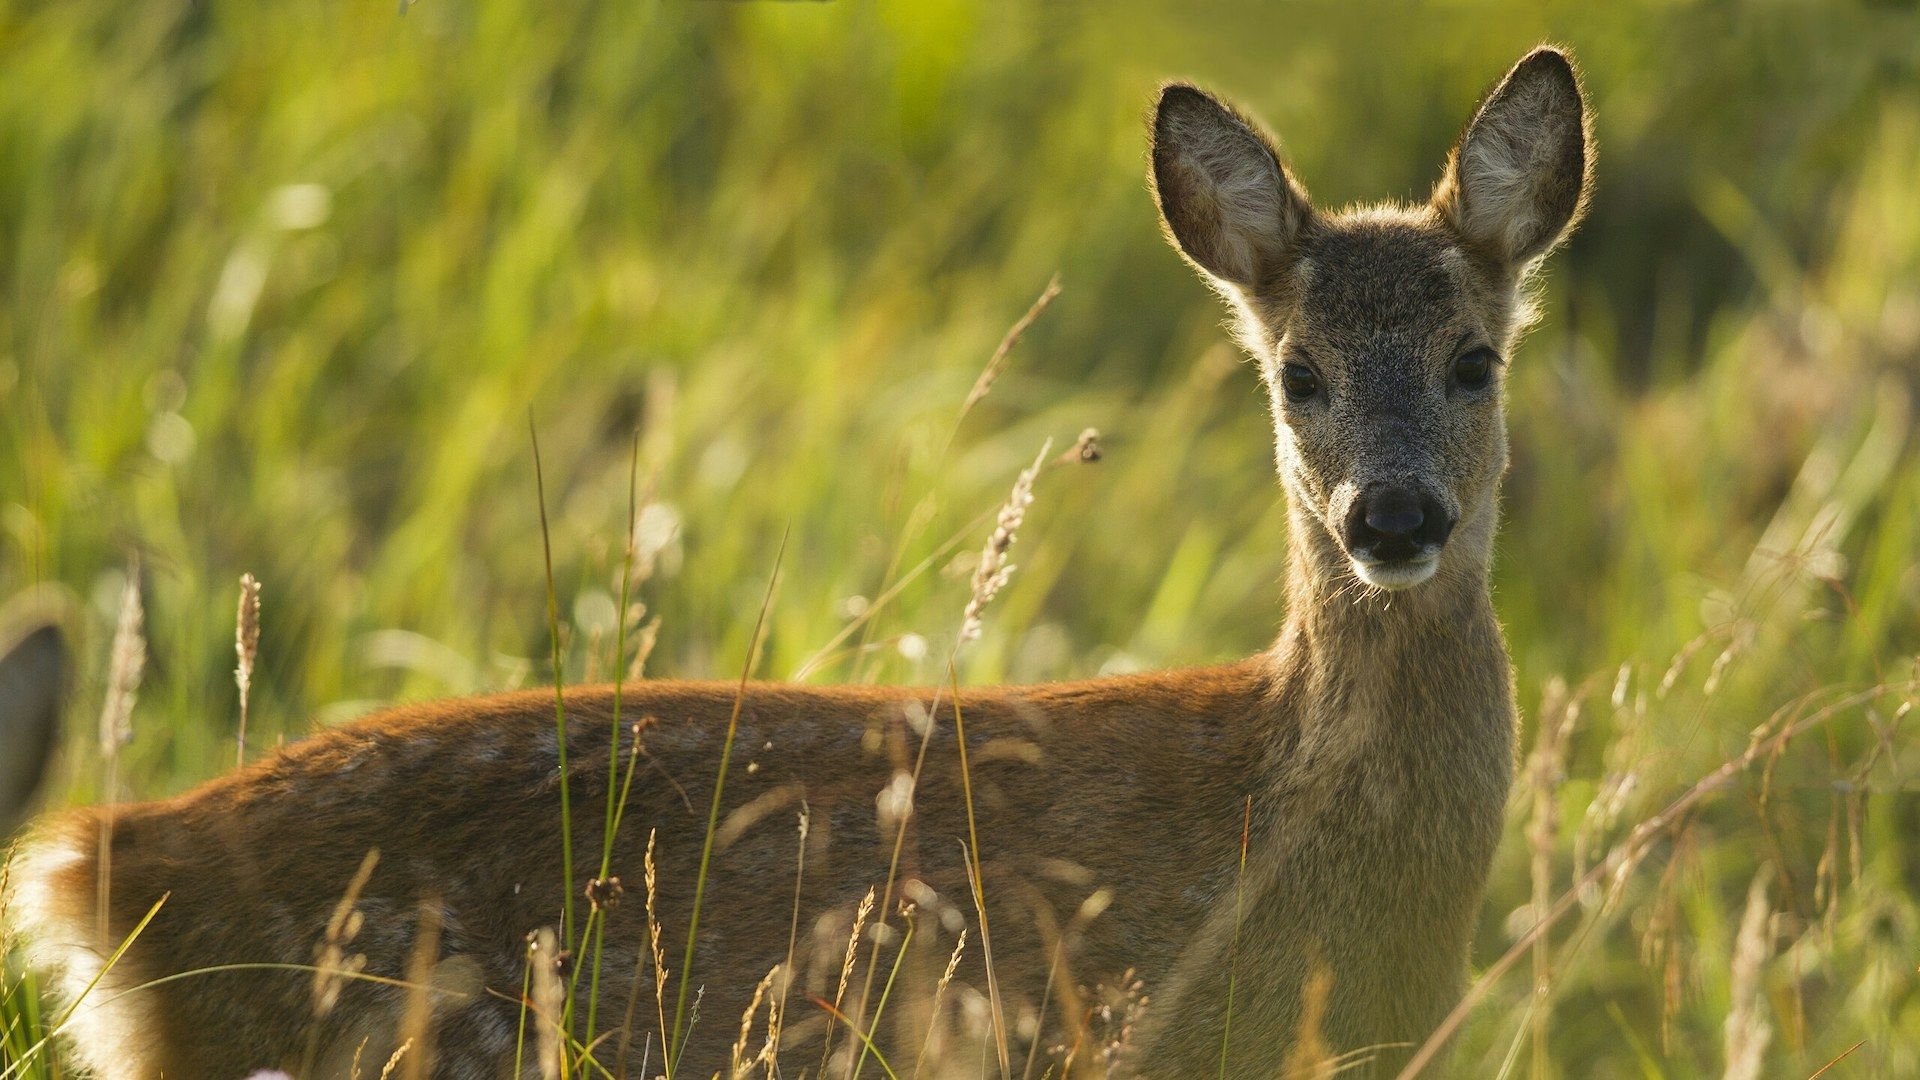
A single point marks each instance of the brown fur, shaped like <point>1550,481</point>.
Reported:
<point>1374,742</point>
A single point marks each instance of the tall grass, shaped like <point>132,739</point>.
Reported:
<point>282,282</point>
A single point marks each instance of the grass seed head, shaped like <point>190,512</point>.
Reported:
<point>993,571</point>
<point>123,673</point>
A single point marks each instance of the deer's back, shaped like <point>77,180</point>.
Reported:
<point>1136,787</point>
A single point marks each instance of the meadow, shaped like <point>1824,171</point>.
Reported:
<point>285,288</point>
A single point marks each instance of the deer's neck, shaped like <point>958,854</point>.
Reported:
<point>1412,669</point>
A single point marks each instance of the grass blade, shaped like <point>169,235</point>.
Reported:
<point>675,1047</point>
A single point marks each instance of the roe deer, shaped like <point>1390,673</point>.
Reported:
<point>1370,749</point>
<point>33,669</point>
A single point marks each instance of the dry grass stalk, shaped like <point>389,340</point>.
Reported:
<point>1120,1016</point>
<point>994,569</point>
<point>1826,877</point>
<point>1233,953</point>
<point>907,911</point>
<point>1624,759</point>
<point>1768,738</point>
<point>549,1003</point>
<point>770,1049</point>
<point>644,639</point>
<point>116,722</point>
<point>1061,941</point>
<point>970,852</point>
<point>640,962</point>
<point>1743,637</point>
<point>416,1025</point>
<point>777,1012</point>
<point>640,559</point>
<point>1747,1030</point>
<point>1085,450</point>
<point>1844,1055</point>
<point>996,364</point>
<point>332,965</point>
<point>394,1061</point>
<point>659,955</point>
<point>971,858</point>
<point>1680,661</point>
<point>246,646</point>
<point>6,895</point>
<point>1547,767</point>
<point>128,662</point>
<point>990,576</point>
<point>939,989</point>
<point>846,974</point>
<point>1311,1058</point>
<point>742,1065</point>
<point>1663,944</point>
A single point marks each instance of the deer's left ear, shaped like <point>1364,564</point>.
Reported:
<point>1518,181</point>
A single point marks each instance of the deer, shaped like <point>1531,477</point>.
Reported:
<point>1282,850</point>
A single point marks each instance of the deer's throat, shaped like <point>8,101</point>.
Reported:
<point>1365,667</point>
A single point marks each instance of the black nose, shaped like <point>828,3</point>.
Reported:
<point>1394,522</point>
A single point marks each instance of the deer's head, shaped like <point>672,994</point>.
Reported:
<point>1383,332</point>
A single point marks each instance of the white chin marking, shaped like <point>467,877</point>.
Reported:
<point>1396,575</point>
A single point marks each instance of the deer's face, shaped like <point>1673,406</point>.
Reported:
<point>1385,380</point>
<point>1383,334</point>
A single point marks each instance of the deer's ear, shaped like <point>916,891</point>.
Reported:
<point>1228,203</point>
<point>33,671</point>
<point>1518,181</point>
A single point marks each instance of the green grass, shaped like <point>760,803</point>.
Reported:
<point>281,283</point>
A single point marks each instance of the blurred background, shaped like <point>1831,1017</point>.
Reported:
<point>285,284</point>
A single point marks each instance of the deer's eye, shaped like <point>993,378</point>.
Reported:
<point>1299,382</point>
<point>1474,367</point>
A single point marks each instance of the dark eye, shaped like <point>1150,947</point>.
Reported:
<point>1474,367</point>
<point>1299,382</point>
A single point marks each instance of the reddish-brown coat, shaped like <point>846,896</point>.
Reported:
<point>461,799</point>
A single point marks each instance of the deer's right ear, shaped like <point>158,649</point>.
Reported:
<point>1228,203</point>
<point>1518,181</point>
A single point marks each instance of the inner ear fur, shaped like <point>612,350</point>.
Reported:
<point>1227,202</point>
<point>1517,183</point>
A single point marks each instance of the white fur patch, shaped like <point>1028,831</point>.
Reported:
<point>1511,161</point>
<point>1500,175</point>
<point>1396,575</point>
<point>112,1028</point>
<point>1238,206</point>
<point>1243,187</point>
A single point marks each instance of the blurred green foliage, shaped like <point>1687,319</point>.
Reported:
<point>285,283</point>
